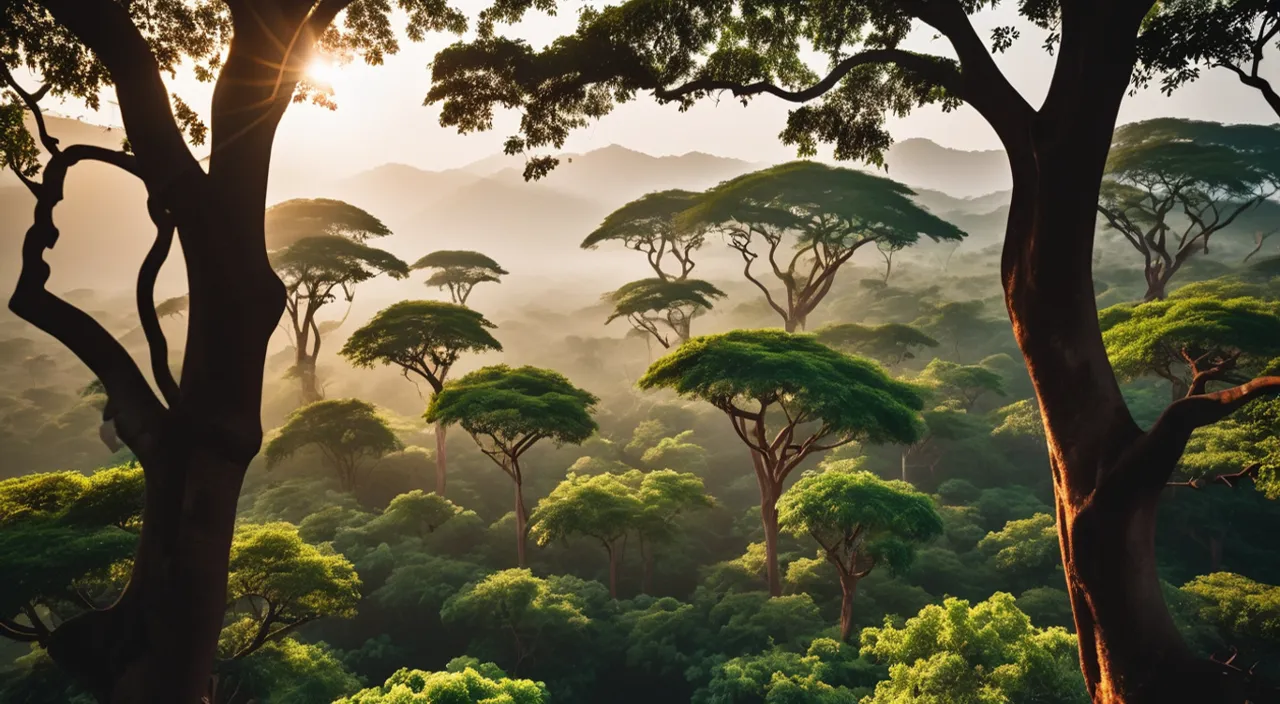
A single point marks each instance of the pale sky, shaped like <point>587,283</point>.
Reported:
<point>381,117</point>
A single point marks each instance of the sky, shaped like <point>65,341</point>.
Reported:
<point>381,117</point>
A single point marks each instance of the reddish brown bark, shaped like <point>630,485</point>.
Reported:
<point>848,590</point>
<point>440,458</point>
<point>522,525</point>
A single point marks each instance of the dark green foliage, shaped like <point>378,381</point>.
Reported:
<point>423,337</point>
<point>662,308</point>
<point>348,432</point>
<point>649,225</point>
<point>890,343</point>
<point>459,271</point>
<point>317,266</point>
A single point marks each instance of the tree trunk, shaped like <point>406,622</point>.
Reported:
<point>440,458</point>
<point>1215,554</point>
<point>522,525</point>
<point>848,590</point>
<point>905,452</point>
<point>769,493</point>
<point>1108,474</point>
<point>613,570</point>
<point>646,567</point>
<point>309,386</point>
<point>790,324</point>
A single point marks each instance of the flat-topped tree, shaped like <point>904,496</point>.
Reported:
<point>806,219</point>
<point>318,268</point>
<point>600,507</point>
<point>508,410</point>
<point>196,432</point>
<point>860,521</point>
<point>665,496</point>
<point>891,343</point>
<point>348,432</point>
<point>459,271</point>
<point>662,308</point>
<point>1172,184</point>
<point>788,396</point>
<point>1107,472</point>
<point>1192,342</point>
<point>649,225</point>
<point>961,384</point>
<point>423,338</point>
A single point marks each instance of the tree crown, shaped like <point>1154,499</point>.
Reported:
<point>648,219</point>
<point>345,427</point>
<point>331,259</point>
<point>300,218</point>
<point>654,295</point>
<point>411,334</point>
<point>514,403</point>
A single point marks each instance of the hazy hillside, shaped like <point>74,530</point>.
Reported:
<point>926,164</point>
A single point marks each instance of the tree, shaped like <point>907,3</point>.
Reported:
<point>508,410</point>
<point>600,507</point>
<point>787,397</point>
<point>650,225</point>
<point>316,269</point>
<point>961,325</point>
<point>829,212</point>
<point>891,344</point>
<point>348,432</point>
<point>1026,548</point>
<point>459,272</point>
<point>860,521</point>
<point>652,305</point>
<point>1242,609</point>
<point>465,681</point>
<point>958,654</point>
<point>1192,342</point>
<point>425,338</point>
<point>1210,172</point>
<point>278,583</point>
<point>963,384</point>
<point>665,495</point>
<point>941,424</point>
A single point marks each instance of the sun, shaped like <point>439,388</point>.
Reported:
<point>322,72</point>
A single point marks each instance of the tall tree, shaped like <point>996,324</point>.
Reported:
<point>860,521</point>
<point>661,308</point>
<point>194,435</point>
<point>665,496</point>
<point>826,213</point>
<point>961,384</point>
<point>424,338</point>
<point>601,507</point>
<point>1108,473</point>
<point>315,271</point>
<point>348,432</point>
<point>891,343</point>
<point>508,410</point>
<point>1204,172</point>
<point>459,271</point>
<point>649,225</point>
<point>787,397</point>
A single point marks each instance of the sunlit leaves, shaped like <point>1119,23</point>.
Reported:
<point>511,403</point>
<point>465,685</point>
<point>349,432</point>
<point>426,337</point>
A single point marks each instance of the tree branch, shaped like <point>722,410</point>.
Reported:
<point>18,632</point>
<point>32,101</point>
<point>147,274</point>
<point>1187,414</point>
<point>1230,480</point>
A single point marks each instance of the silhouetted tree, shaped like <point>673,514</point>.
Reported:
<point>459,272</point>
<point>425,338</point>
<point>663,309</point>
<point>348,432</point>
<point>649,225</point>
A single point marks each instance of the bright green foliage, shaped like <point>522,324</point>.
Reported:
<point>301,218</point>
<point>516,405</point>
<point>830,213</point>
<point>602,507</point>
<point>278,583</point>
<point>348,432</point>
<point>851,398</point>
<point>1238,606</point>
<point>1019,419</point>
<point>859,519</point>
<point>513,613</point>
<point>890,344</point>
<point>662,308</point>
<point>459,271</point>
<point>1224,338</point>
<point>288,672</point>
<point>423,337</point>
<point>963,384</point>
<point>1250,437</point>
<point>664,496</point>
<point>829,672</point>
<point>414,514</point>
<point>1207,171</point>
<point>1025,549</point>
<point>676,453</point>
<point>649,225</point>
<point>470,684</point>
<point>985,654</point>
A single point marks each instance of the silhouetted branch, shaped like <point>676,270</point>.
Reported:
<point>32,101</point>
<point>147,274</point>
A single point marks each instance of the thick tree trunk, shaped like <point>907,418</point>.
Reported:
<point>309,385</point>
<point>613,569</point>
<point>848,590</point>
<point>790,324</point>
<point>440,458</point>
<point>522,525</point>
<point>769,493</point>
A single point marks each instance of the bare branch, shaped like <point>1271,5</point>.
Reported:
<point>1230,480</point>
<point>147,274</point>
<point>32,101</point>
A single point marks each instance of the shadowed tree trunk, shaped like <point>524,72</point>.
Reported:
<point>522,521</point>
<point>848,590</point>
<point>769,493</point>
<point>441,462</point>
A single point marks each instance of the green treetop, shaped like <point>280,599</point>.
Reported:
<point>1025,550</point>
<point>827,213</point>
<point>1206,172</point>
<point>665,495</point>
<point>316,271</point>
<point>507,410</point>
<point>278,583</point>
<point>601,507</point>
<point>787,397</point>
<point>860,521</point>
<point>348,432</point>
<point>425,338</point>
<point>663,309</point>
<point>300,218</point>
<point>890,344</point>
<point>464,681</point>
<point>964,384</point>
<point>1192,341</point>
<point>459,271</point>
<point>650,225</point>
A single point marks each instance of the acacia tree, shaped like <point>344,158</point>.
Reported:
<point>860,521</point>
<point>788,397</point>
<point>827,212</point>
<point>459,271</point>
<point>1203,171</point>
<point>650,225</point>
<point>318,249</point>
<point>891,343</point>
<point>961,384</point>
<point>662,308</point>
<point>508,410</point>
<point>1108,473</point>
<point>601,507</point>
<point>348,432</point>
<point>424,338</point>
<point>194,435</point>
